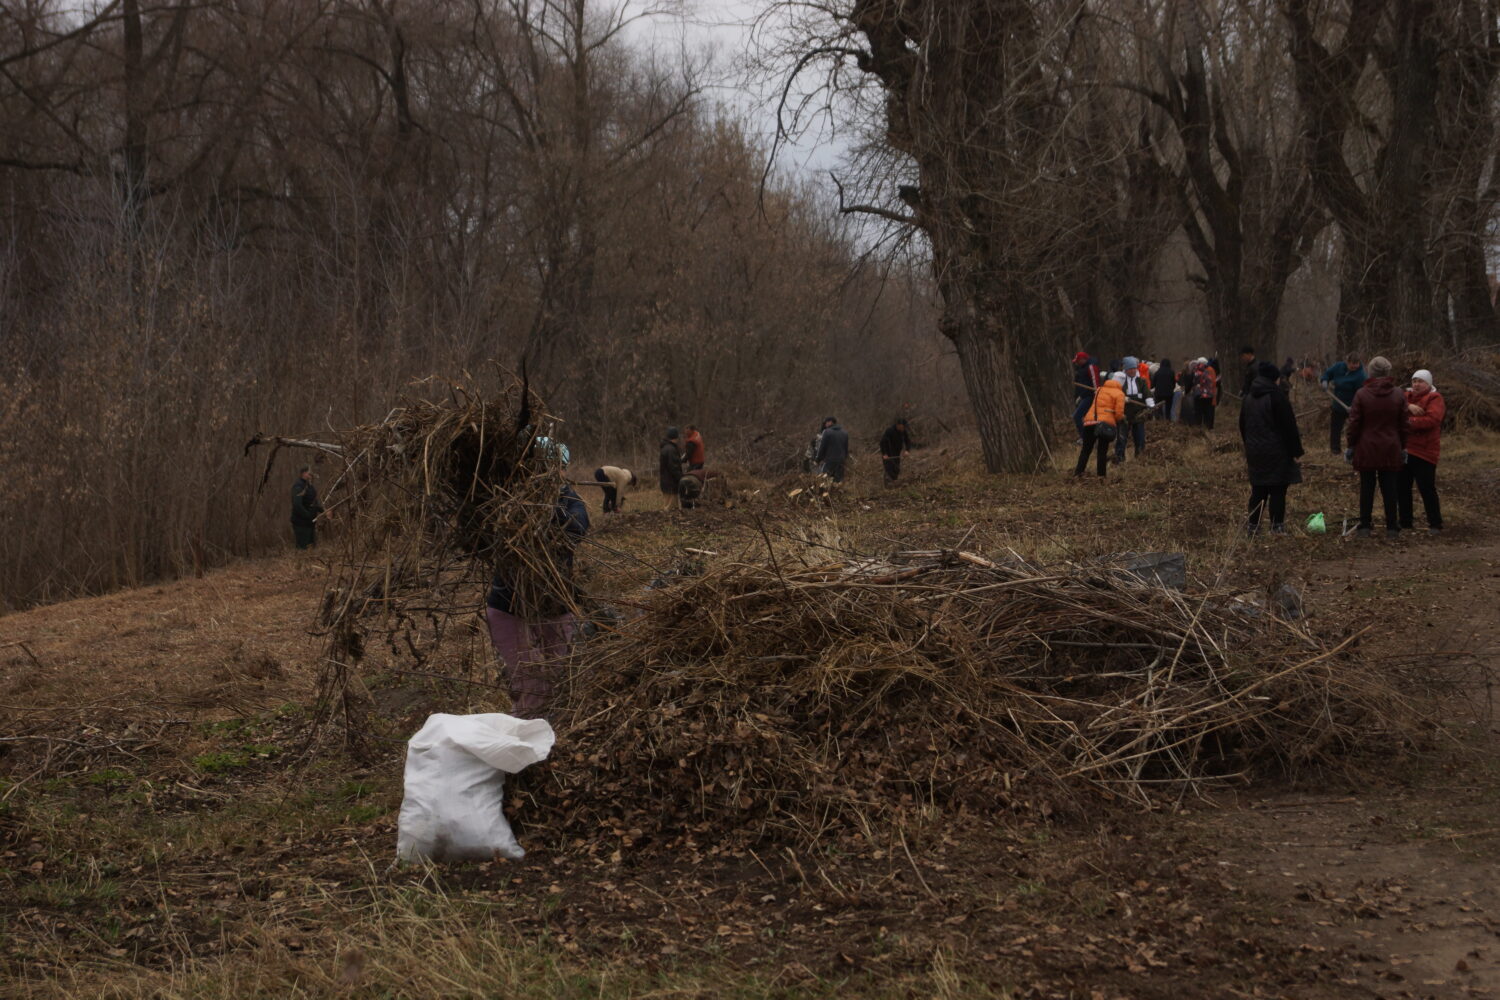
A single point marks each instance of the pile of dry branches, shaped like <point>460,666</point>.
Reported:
<point>752,703</point>
<point>455,480</point>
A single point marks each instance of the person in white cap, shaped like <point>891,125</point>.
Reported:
<point>1423,444</point>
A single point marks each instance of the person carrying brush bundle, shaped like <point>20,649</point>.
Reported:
<point>529,607</point>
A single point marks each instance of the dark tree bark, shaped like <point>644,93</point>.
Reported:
<point>1387,295</point>
<point>1248,218</point>
<point>1465,193</point>
<point>974,98</point>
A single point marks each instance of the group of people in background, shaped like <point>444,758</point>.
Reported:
<point>1116,407</point>
<point>828,451</point>
<point>1391,436</point>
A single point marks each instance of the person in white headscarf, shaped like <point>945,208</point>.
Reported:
<point>1423,445</point>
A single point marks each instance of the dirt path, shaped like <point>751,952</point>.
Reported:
<point>1397,888</point>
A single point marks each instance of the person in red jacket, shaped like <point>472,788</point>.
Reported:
<point>1425,408</point>
<point>1377,431</point>
<point>692,446</point>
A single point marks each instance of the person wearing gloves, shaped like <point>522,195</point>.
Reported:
<point>1341,380</point>
<point>1138,403</point>
<point>529,608</point>
<point>1425,408</point>
<point>1378,427</point>
<point>1268,428</point>
<point>1102,422</point>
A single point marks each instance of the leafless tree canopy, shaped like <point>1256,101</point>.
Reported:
<point>230,216</point>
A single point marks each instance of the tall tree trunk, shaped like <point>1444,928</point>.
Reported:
<point>997,391</point>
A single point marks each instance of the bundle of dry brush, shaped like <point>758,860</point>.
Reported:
<point>456,479</point>
<point>754,704</point>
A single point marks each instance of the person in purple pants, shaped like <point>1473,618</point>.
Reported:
<point>531,641</point>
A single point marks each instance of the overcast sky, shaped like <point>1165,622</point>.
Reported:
<point>725,28</point>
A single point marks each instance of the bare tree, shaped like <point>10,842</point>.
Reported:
<point>1236,152</point>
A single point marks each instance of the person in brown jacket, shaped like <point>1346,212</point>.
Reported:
<point>1102,422</point>
<point>1377,431</point>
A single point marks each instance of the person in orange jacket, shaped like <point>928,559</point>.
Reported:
<point>1101,424</point>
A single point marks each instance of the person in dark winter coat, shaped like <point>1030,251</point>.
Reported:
<point>1164,388</point>
<point>1378,427</point>
<point>671,466</point>
<point>1342,380</point>
<point>305,509</point>
<point>1268,428</point>
<point>895,442</point>
<point>530,624</point>
<point>1251,369</point>
<point>833,450</point>
<point>1085,384</point>
<point>1426,409</point>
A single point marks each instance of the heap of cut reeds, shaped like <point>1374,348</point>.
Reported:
<point>752,703</point>
<point>456,480</point>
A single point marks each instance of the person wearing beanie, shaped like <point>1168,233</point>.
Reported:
<point>1085,384</point>
<point>1138,403</point>
<point>1341,381</point>
<point>1378,427</point>
<point>1425,408</point>
<point>1268,429</point>
<point>1205,392</point>
<point>833,450</point>
<point>1101,423</point>
<point>670,466</point>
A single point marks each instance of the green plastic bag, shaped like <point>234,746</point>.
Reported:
<point>1316,525</point>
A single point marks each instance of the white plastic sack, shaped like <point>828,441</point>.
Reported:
<point>455,780</point>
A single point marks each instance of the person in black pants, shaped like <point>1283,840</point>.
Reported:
<point>1379,425</point>
<point>1341,380</point>
<point>1425,408</point>
<point>1107,411</point>
<point>894,443</point>
<point>1268,428</point>
<point>305,509</point>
